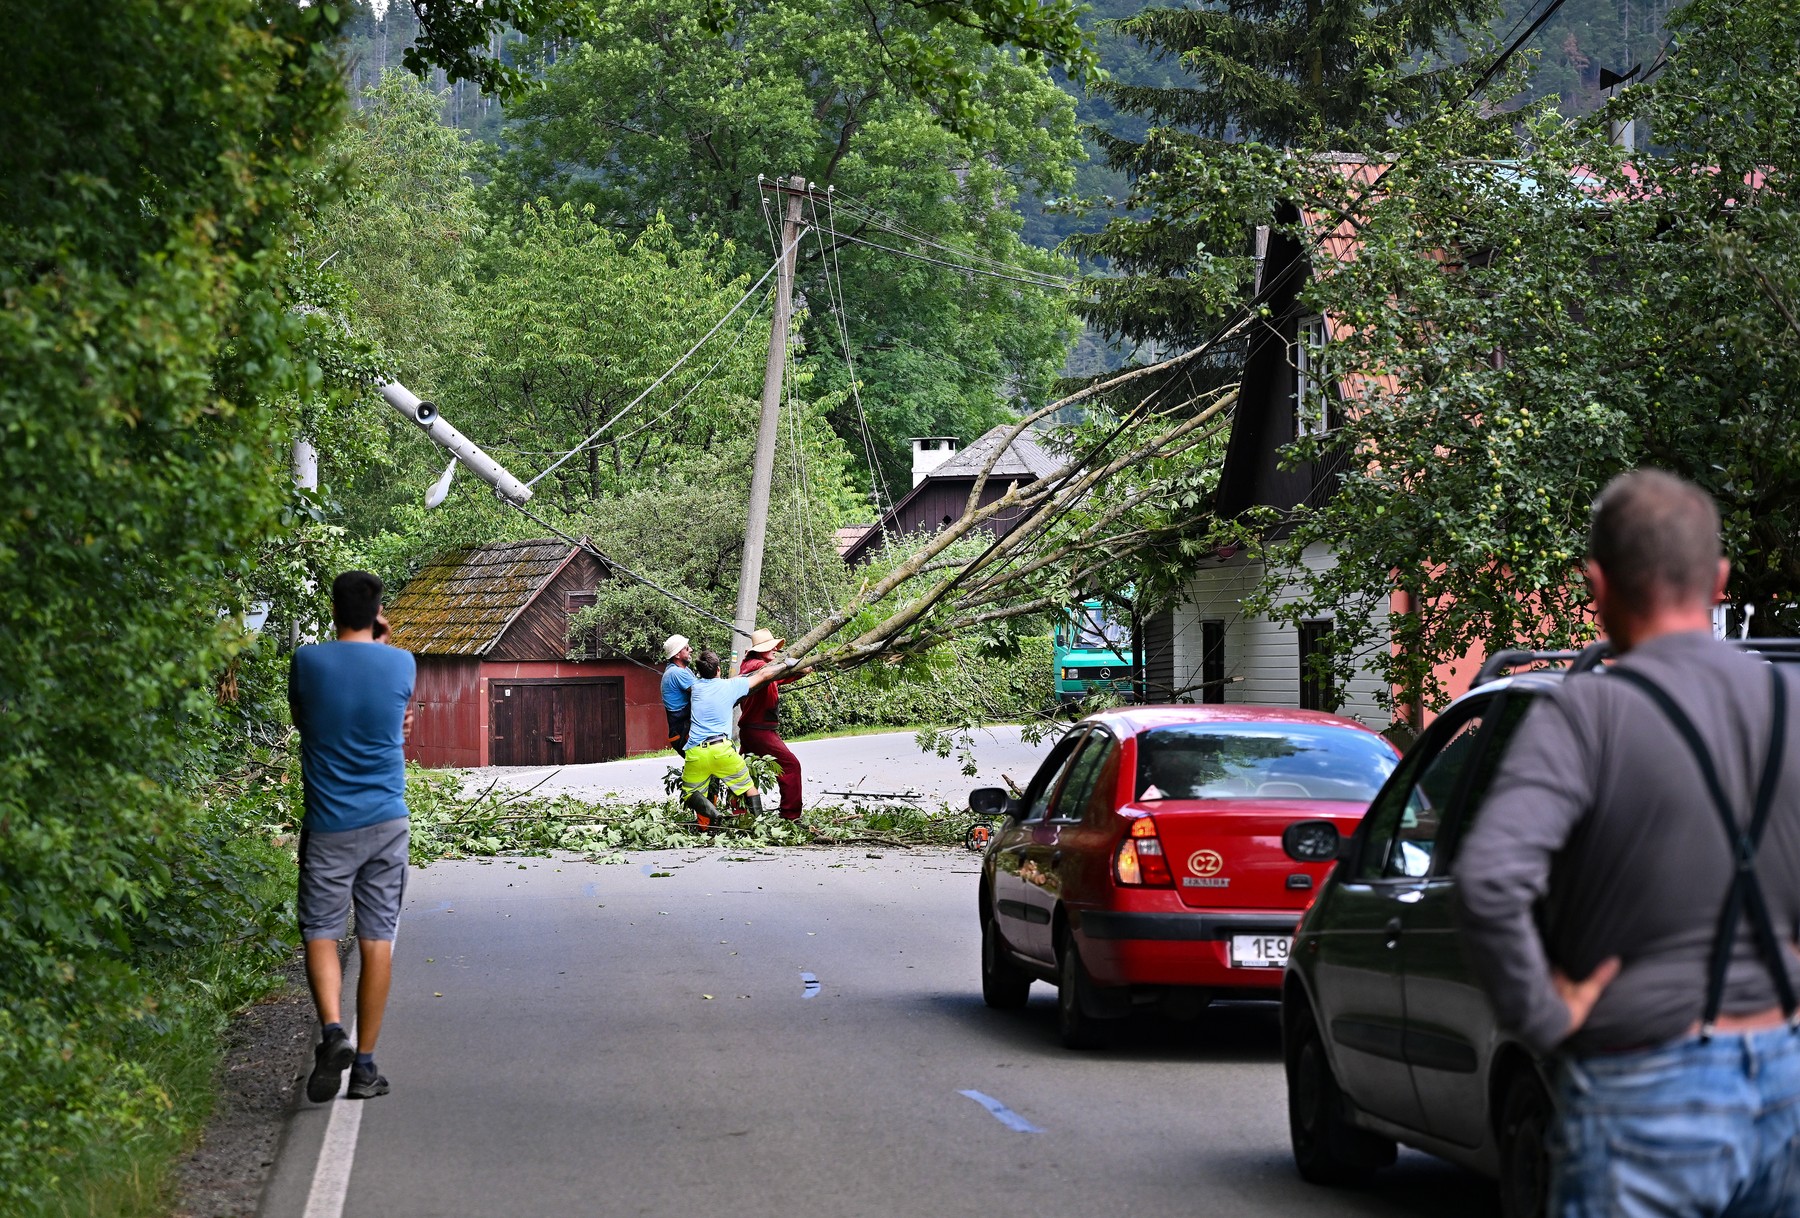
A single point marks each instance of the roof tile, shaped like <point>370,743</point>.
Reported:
<point>462,601</point>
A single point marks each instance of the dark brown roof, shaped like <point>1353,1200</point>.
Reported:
<point>464,600</point>
<point>1023,458</point>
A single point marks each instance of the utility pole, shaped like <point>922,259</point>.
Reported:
<point>762,470</point>
<point>306,478</point>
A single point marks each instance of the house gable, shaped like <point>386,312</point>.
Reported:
<point>540,629</point>
<point>463,602</point>
<point>1265,421</point>
<point>943,495</point>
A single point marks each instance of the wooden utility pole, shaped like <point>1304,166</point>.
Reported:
<point>762,470</point>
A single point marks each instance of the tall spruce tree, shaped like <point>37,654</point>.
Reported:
<point>1260,75</point>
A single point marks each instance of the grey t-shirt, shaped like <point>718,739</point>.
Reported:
<point>1599,839</point>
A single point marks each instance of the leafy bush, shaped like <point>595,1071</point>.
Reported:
<point>145,341</point>
<point>448,824</point>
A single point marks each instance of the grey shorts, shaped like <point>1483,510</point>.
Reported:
<point>367,866</point>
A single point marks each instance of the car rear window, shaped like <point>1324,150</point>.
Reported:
<point>1293,761</point>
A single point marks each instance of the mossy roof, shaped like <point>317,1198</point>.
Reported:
<point>463,601</point>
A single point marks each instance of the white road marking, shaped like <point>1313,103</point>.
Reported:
<point>337,1153</point>
<point>1002,1113</point>
<point>331,1175</point>
<point>331,1178</point>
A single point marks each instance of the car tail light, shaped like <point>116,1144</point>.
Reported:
<point>1140,860</point>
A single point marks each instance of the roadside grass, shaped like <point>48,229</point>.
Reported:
<point>447,824</point>
<point>152,1076</point>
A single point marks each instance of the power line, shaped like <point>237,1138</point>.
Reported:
<point>583,543</point>
<point>834,291</point>
<point>868,215</point>
<point>705,377</point>
<point>688,354</point>
<point>1046,283</point>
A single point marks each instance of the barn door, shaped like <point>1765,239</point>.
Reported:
<point>557,722</point>
<point>502,748</point>
<point>593,720</point>
<point>524,724</point>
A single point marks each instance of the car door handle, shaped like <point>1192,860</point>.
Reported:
<point>1393,932</point>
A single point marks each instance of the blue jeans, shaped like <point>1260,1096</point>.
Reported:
<point>1684,1130</point>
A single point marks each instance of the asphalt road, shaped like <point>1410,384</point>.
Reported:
<point>878,762</point>
<point>575,1039</point>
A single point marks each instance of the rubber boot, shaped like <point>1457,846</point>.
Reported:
<point>753,804</point>
<point>703,811</point>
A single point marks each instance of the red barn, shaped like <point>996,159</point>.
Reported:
<point>489,627</point>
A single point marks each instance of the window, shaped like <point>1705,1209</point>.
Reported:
<point>1036,800</point>
<point>1078,787</point>
<point>1317,688</point>
<point>1402,826</point>
<point>1513,706</point>
<point>1212,661</point>
<point>583,644</point>
<point>1096,630</point>
<point>1293,761</point>
<point>1311,401</point>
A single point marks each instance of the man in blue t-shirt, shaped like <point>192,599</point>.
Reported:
<point>710,752</point>
<point>350,703</point>
<point>677,689</point>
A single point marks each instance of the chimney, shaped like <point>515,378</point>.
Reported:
<point>929,452</point>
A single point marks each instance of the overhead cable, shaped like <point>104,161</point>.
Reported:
<point>1048,283</point>
<point>1243,314</point>
<point>834,289</point>
<point>754,289</point>
<point>583,543</point>
<point>868,215</point>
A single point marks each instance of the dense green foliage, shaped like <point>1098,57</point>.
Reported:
<point>144,334</point>
<point>659,115</point>
<point>1334,75</point>
<point>954,689</point>
<point>1552,312</point>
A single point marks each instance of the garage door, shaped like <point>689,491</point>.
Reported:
<point>557,721</point>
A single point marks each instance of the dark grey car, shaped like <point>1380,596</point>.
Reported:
<point>1387,1037</point>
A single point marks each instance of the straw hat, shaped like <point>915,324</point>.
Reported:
<point>762,640</point>
<point>673,644</point>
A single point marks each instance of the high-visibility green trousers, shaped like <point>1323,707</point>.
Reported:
<point>710,761</point>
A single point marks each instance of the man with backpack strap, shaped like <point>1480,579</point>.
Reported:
<point>1631,890</point>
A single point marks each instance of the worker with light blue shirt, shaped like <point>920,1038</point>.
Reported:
<point>710,752</point>
<point>677,689</point>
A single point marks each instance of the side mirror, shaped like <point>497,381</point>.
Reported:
<point>989,801</point>
<point>1312,841</point>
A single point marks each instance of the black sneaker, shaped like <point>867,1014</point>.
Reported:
<point>330,1060</point>
<point>363,1086</point>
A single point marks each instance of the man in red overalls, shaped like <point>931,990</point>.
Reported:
<point>759,731</point>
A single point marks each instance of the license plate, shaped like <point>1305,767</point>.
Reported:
<point>1259,951</point>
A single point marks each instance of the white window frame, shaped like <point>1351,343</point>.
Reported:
<point>1312,405</point>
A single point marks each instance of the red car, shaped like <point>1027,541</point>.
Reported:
<point>1161,856</point>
